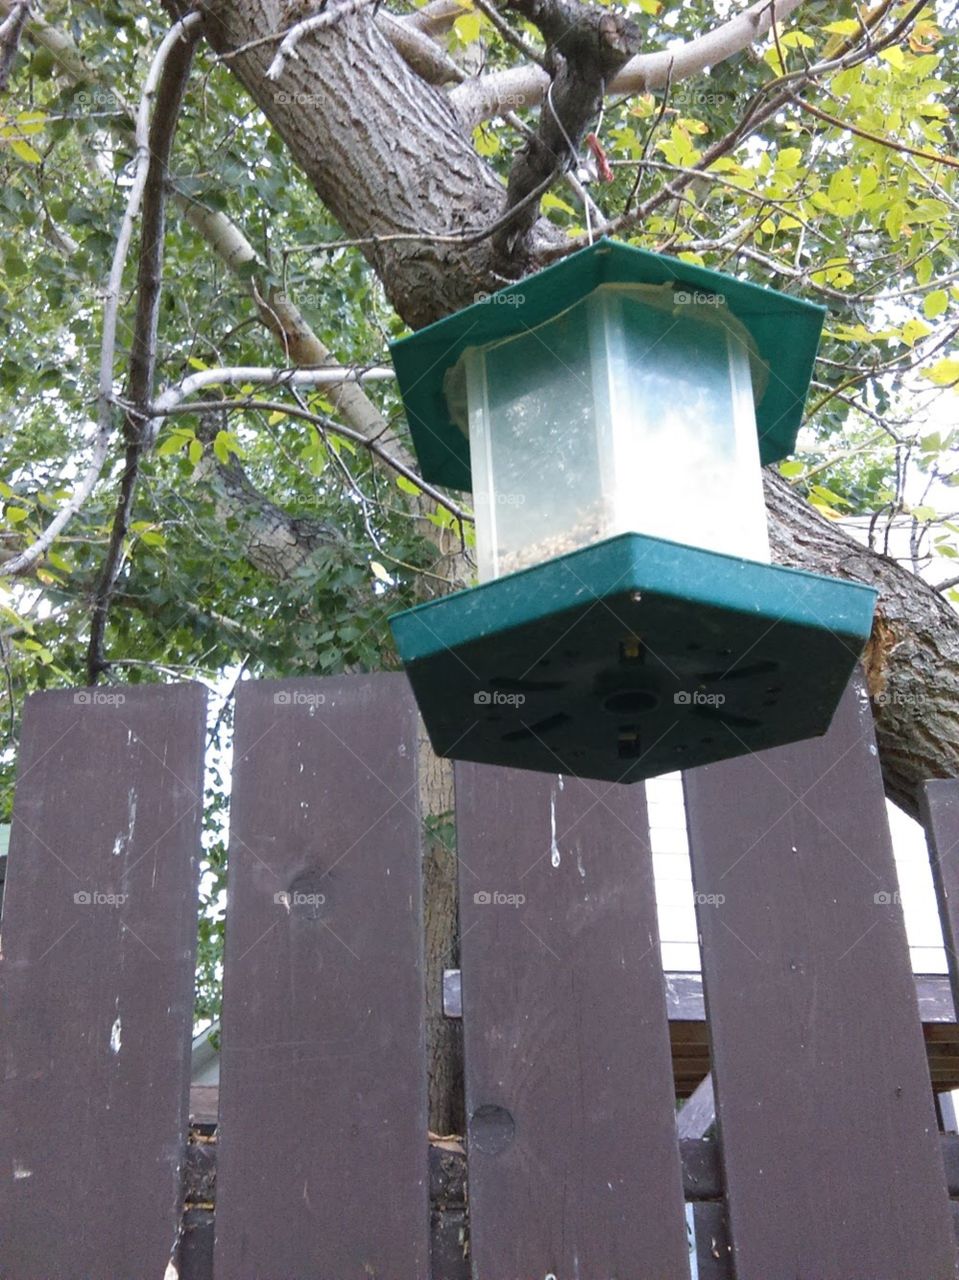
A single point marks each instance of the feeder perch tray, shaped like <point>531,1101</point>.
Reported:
<point>631,658</point>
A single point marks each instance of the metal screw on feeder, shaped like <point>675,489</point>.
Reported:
<point>611,415</point>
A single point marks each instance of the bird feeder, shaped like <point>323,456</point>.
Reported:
<point>611,415</point>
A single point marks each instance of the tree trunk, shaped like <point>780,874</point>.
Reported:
<point>912,659</point>
<point>384,150</point>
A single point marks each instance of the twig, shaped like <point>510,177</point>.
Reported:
<point>11,706</point>
<point>294,411</point>
<point>648,142</point>
<point>892,143</point>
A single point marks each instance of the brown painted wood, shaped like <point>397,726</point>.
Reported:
<point>96,981</point>
<point>204,1103</point>
<point>574,1168</point>
<point>939,811</point>
<point>713,1250</point>
<point>323,1151</point>
<point>832,1161</point>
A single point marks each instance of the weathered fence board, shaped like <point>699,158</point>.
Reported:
<point>832,1162</point>
<point>323,1153</point>
<point>713,1250</point>
<point>573,1154</point>
<point>939,804</point>
<point>96,982</point>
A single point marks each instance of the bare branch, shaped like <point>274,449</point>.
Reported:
<point>491,95</point>
<point>435,18</point>
<point>418,51</point>
<point>326,377</point>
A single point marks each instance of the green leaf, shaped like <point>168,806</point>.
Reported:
<point>467,27</point>
<point>934,304</point>
<point>943,372</point>
<point>225,443</point>
<point>551,201</point>
<point>913,331</point>
<point>16,515</point>
<point>25,151</point>
<point>178,439</point>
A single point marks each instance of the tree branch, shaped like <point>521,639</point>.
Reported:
<point>326,377</point>
<point>585,49</point>
<point>11,29</point>
<point>163,128</point>
<point>519,87</point>
<point>101,444</point>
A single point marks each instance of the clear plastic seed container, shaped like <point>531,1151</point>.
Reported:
<point>632,411</point>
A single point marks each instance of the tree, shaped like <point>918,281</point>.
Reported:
<point>208,521</point>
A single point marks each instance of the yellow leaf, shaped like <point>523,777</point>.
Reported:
<point>485,141</point>
<point>28,122</point>
<point>468,27</point>
<point>25,151</point>
<point>944,372</point>
<point>380,573</point>
<point>935,304</point>
<point>913,330</point>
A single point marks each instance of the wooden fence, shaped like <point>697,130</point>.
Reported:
<point>827,1165</point>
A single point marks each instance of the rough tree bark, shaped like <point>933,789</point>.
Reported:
<point>384,150</point>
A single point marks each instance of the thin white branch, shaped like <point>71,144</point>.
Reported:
<point>317,22</point>
<point>518,87</point>
<point>325,377</point>
<point>105,399</point>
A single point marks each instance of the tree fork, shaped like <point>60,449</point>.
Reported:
<point>384,150</point>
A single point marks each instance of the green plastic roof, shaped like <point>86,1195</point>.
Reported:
<point>785,330</point>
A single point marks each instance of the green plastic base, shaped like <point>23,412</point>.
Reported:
<point>631,658</point>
